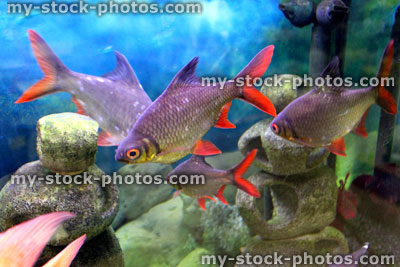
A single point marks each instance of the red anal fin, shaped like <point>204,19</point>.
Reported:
<point>223,121</point>
<point>220,195</point>
<point>254,97</point>
<point>205,148</point>
<point>78,106</point>
<point>202,201</point>
<point>107,139</point>
<point>360,129</point>
<point>338,147</point>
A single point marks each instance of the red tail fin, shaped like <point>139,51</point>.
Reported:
<point>24,243</point>
<point>385,100</point>
<point>50,65</point>
<point>240,169</point>
<point>255,69</point>
<point>67,255</point>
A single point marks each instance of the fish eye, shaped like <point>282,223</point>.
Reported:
<point>133,153</point>
<point>275,128</point>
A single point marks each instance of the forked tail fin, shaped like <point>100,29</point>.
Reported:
<point>384,99</point>
<point>50,65</point>
<point>240,169</point>
<point>255,69</point>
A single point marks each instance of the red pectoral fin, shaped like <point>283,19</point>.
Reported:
<point>220,195</point>
<point>360,129</point>
<point>78,106</point>
<point>205,148</point>
<point>223,121</point>
<point>338,147</point>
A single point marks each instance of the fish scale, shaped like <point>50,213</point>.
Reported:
<point>172,127</point>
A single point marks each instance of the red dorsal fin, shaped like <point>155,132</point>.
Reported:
<point>223,121</point>
<point>338,147</point>
<point>360,129</point>
<point>220,195</point>
<point>254,97</point>
<point>240,169</point>
<point>78,106</point>
<point>205,148</point>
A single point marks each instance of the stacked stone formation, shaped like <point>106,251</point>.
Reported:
<point>298,193</point>
<point>67,146</point>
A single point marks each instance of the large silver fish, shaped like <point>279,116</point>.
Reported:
<point>115,100</point>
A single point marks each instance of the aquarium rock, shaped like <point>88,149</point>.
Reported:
<point>281,96</point>
<point>193,259</point>
<point>277,155</point>
<point>67,142</point>
<point>329,240</point>
<point>101,251</point>
<point>95,206</point>
<point>301,204</point>
<point>137,199</point>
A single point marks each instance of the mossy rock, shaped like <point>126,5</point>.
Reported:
<point>158,238</point>
<point>193,259</point>
<point>300,204</point>
<point>95,206</point>
<point>67,142</point>
<point>137,199</point>
<point>279,156</point>
<point>329,240</point>
<point>101,251</point>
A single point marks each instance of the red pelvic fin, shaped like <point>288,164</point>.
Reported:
<point>107,139</point>
<point>240,169</point>
<point>78,106</point>
<point>254,97</point>
<point>205,148</point>
<point>360,129</point>
<point>223,121</point>
<point>220,195</point>
<point>50,65</point>
<point>67,255</point>
<point>202,201</point>
<point>338,147</point>
<point>385,100</point>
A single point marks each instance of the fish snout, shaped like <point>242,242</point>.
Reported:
<point>119,156</point>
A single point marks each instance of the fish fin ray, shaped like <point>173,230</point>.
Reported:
<point>220,195</point>
<point>107,139</point>
<point>240,169</point>
<point>50,65</point>
<point>176,193</point>
<point>79,106</point>
<point>223,121</point>
<point>67,255</point>
<point>360,128</point>
<point>259,64</point>
<point>205,148</point>
<point>384,98</point>
<point>202,202</point>
<point>254,97</point>
<point>185,76</point>
<point>123,71</point>
<point>15,240</point>
<point>200,159</point>
<point>332,69</point>
<point>338,147</point>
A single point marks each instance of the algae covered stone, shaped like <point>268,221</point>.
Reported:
<point>329,240</point>
<point>101,251</point>
<point>157,238</point>
<point>136,199</point>
<point>194,258</point>
<point>277,155</point>
<point>94,206</point>
<point>301,204</point>
<point>281,96</point>
<point>67,142</point>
